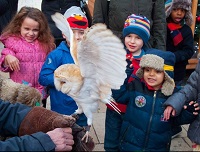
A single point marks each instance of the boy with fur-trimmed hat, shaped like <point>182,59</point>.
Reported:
<point>179,39</point>
<point>60,102</point>
<point>136,34</point>
<point>143,127</point>
<point>179,35</point>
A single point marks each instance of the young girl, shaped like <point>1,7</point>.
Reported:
<point>27,40</point>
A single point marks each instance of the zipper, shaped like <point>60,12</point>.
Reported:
<point>150,120</point>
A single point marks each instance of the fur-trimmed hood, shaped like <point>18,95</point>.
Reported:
<point>162,61</point>
<point>185,4</point>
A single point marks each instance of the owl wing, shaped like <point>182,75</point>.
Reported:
<point>102,58</point>
<point>63,25</point>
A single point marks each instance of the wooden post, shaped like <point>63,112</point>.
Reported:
<point>193,61</point>
<point>194,12</point>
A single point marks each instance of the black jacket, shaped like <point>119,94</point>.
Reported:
<point>50,7</point>
<point>8,9</point>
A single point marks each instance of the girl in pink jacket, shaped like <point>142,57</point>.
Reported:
<point>27,40</point>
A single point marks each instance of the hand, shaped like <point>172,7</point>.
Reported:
<point>12,62</point>
<point>129,59</point>
<point>62,138</point>
<point>192,107</point>
<point>168,112</point>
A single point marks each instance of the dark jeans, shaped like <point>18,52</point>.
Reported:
<point>113,124</point>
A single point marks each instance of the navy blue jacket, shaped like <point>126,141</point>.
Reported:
<point>11,116</point>
<point>60,102</point>
<point>143,127</point>
<point>183,51</point>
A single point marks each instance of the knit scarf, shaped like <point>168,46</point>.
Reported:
<point>175,33</point>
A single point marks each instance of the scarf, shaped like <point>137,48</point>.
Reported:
<point>175,33</point>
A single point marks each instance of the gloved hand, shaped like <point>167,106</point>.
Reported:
<point>192,107</point>
<point>41,119</point>
<point>79,145</point>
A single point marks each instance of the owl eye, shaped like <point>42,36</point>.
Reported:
<point>62,82</point>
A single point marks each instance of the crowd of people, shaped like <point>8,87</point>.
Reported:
<point>154,100</point>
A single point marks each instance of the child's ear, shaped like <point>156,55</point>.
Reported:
<point>66,39</point>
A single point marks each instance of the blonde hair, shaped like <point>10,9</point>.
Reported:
<point>45,37</point>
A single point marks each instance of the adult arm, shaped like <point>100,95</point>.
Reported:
<point>100,12</point>
<point>158,31</point>
<point>35,142</point>
<point>11,116</point>
<point>188,93</point>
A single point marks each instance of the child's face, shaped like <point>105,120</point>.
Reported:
<point>134,44</point>
<point>29,29</point>
<point>78,33</point>
<point>177,15</point>
<point>153,77</point>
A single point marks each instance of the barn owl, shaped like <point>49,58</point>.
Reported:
<point>100,63</point>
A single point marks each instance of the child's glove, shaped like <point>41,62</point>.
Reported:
<point>192,107</point>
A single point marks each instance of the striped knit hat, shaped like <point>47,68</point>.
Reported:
<point>184,4</point>
<point>139,25</point>
<point>76,18</point>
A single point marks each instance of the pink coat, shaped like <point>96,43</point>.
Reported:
<point>31,58</point>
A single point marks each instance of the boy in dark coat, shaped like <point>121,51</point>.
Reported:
<point>143,127</point>
<point>179,39</point>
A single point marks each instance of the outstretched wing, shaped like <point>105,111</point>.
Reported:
<point>62,24</point>
<point>102,58</point>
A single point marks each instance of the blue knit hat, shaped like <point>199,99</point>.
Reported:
<point>139,25</point>
<point>162,61</point>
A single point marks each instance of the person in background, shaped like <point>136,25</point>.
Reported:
<point>8,8</point>
<point>27,40</point>
<point>60,102</point>
<point>136,34</point>
<point>144,127</point>
<point>179,39</point>
<point>114,13</point>
<point>50,7</point>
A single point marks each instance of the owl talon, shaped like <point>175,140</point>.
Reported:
<point>74,115</point>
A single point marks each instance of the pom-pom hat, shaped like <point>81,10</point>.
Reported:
<point>162,61</point>
<point>139,25</point>
<point>184,4</point>
<point>76,18</point>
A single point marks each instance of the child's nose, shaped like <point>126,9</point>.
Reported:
<point>132,40</point>
<point>152,72</point>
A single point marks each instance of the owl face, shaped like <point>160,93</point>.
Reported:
<point>68,79</point>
